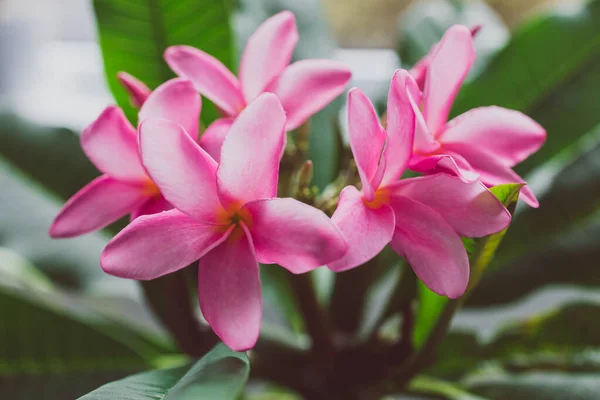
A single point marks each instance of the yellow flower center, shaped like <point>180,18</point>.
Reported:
<point>382,196</point>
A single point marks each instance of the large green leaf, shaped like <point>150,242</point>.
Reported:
<point>135,33</point>
<point>220,375</point>
<point>49,337</point>
<point>549,70</point>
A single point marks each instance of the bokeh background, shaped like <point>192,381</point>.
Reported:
<point>540,296</point>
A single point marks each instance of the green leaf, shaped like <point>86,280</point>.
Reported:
<point>528,77</point>
<point>445,390</point>
<point>433,309</point>
<point>135,33</point>
<point>539,386</point>
<point>220,375</point>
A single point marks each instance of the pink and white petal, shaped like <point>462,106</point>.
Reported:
<point>293,234</point>
<point>153,206</point>
<point>156,245</point>
<point>449,65</point>
<point>507,135</point>
<point>307,86</point>
<point>98,204</point>
<point>110,143</point>
<point>367,139</point>
<point>492,173</point>
<point>177,101</point>
<point>213,137</point>
<point>268,51</point>
<point>251,153</point>
<point>367,230</point>
<point>138,91</point>
<point>229,292</point>
<point>432,248</point>
<point>183,171</point>
<point>452,163</point>
<point>210,77</point>
<point>400,125</point>
<point>470,208</point>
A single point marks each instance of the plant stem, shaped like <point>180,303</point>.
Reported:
<point>316,320</point>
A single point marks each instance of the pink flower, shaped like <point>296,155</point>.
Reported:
<point>303,87</point>
<point>111,144</point>
<point>227,215</point>
<point>485,142</point>
<point>422,218</point>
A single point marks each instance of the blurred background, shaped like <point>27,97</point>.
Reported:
<point>541,57</point>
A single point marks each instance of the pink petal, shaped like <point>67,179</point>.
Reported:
<point>158,244</point>
<point>100,203</point>
<point>307,86</point>
<point>493,173</point>
<point>138,91</point>
<point>507,135</point>
<point>268,51</point>
<point>175,100</point>
<point>184,172</point>
<point>110,143</point>
<point>470,208</point>
<point>213,137</point>
<point>400,125</point>
<point>293,234</point>
<point>229,292</point>
<point>367,230</point>
<point>153,206</point>
<point>251,152</point>
<point>449,65</point>
<point>210,77</point>
<point>367,139</point>
<point>452,163</point>
<point>431,247</point>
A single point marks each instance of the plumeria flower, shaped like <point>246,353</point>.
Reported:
<point>483,143</point>
<point>303,87</point>
<point>227,216</point>
<point>111,144</point>
<point>422,218</point>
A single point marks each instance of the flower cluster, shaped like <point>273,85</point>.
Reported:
<point>215,200</point>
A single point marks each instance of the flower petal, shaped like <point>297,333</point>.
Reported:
<point>158,244</point>
<point>229,292</point>
<point>175,100</point>
<point>470,208</point>
<point>268,51</point>
<point>138,91</point>
<point>452,163</point>
<point>431,247</point>
<point>400,125</point>
<point>293,234</point>
<point>213,137</point>
<point>210,77</point>
<point>507,135</point>
<point>449,65</point>
<point>367,230</point>
<point>251,152</point>
<point>184,172</point>
<point>110,143</point>
<point>367,139</point>
<point>100,203</point>
<point>153,206</point>
<point>307,86</point>
<point>492,172</point>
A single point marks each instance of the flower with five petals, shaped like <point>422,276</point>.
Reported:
<point>226,215</point>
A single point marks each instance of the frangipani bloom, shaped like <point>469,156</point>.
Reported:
<point>111,144</point>
<point>422,218</point>
<point>303,88</point>
<point>227,215</point>
<point>485,142</point>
